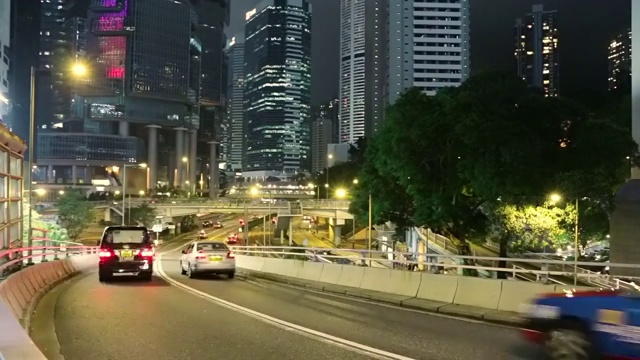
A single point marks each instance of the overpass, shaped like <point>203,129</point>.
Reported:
<point>281,307</point>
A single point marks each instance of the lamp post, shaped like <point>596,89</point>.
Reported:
<point>326,185</point>
<point>576,253</point>
<point>185,160</point>
<point>78,70</point>
<point>252,191</point>
<point>124,188</point>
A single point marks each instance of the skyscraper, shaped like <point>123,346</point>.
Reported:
<point>429,45</point>
<point>620,62</point>
<point>5,56</point>
<point>537,53</point>
<point>362,67</point>
<point>143,85</point>
<point>52,15</point>
<point>277,88</point>
<point>321,137</point>
<point>234,146</point>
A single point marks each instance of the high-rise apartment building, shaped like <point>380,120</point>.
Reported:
<point>429,45</point>
<point>5,56</point>
<point>620,62</point>
<point>52,15</point>
<point>537,52</point>
<point>277,88</point>
<point>363,37</point>
<point>234,147</point>
<point>321,137</point>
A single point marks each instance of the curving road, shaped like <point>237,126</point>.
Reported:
<point>162,320</point>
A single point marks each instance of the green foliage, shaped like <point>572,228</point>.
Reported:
<point>143,214</point>
<point>188,223</point>
<point>481,159</point>
<point>75,212</point>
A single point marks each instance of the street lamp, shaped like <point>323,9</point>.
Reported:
<point>341,193</point>
<point>330,156</point>
<point>78,70</point>
<point>554,199</point>
<point>124,187</point>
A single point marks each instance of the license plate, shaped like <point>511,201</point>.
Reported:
<point>215,258</point>
<point>126,254</point>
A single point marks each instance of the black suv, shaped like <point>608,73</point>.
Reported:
<point>125,250</point>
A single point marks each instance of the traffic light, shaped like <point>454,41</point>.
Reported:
<point>274,220</point>
<point>242,222</point>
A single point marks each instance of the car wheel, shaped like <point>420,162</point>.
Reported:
<point>569,340</point>
<point>182,270</point>
<point>231,275</point>
<point>190,273</point>
<point>147,276</point>
<point>104,277</point>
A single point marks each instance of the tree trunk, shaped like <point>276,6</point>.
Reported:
<point>503,253</point>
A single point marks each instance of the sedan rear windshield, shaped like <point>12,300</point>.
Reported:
<point>212,247</point>
<point>126,236</point>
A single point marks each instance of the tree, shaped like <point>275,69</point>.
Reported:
<point>223,180</point>
<point>75,212</point>
<point>36,221</point>
<point>143,214</point>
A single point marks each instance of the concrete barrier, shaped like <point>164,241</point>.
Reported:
<point>20,293</point>
<point>484,296</point>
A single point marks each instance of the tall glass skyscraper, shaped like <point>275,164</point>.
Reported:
<point>235,144</point>
<point>277,88</point>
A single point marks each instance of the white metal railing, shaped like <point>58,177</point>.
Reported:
<point>326,204</point>
<point>561,269</point>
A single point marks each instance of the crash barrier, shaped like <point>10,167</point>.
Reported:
<point>491,294</point>
<point>21,290</point>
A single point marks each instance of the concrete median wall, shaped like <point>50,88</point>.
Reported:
<point>490,294</point>
<point>19,294</point>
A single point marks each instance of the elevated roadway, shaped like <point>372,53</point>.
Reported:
<point>212,318</point>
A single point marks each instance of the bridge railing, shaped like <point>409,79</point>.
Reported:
<point>13,260</point>
<point>326,204</point>
<point>433,263</point>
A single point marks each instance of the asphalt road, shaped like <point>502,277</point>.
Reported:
<point>136,320</point>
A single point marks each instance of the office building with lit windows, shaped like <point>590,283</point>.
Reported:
<point>537,51</point>
<point>140,99</point>
<point>234,145</point>
<point>619,60</point>
<point>277,82</point>
<point>363,39</point>
<point>429,45</point>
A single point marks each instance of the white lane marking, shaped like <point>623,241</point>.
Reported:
<point>334,340</point>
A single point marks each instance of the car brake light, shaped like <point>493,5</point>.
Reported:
<point>146,252</point>
<point>105,253</point>
<point>230,255</point>
<point>200,257</point>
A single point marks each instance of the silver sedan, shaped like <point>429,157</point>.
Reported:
<point>207,257</point>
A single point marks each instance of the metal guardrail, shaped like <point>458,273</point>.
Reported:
<point>563,269</point>
<point>12,260</point>
<point>310,204</point>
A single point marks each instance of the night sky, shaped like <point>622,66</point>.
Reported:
<point>585,29</point>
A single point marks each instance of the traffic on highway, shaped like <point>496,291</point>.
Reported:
<point>217,316</point>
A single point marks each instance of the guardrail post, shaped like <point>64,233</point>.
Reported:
<point>55,252</point>
<point>44,252</point>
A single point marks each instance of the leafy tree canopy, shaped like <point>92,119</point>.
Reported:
<point>143,214</point>
<point>75,212</point>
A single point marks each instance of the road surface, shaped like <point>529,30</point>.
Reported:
<point>158,320</point>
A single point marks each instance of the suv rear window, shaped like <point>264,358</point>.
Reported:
<point>115,236</point>
<point>212,247</point>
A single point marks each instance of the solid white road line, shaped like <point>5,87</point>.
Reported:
<point>334,340</point>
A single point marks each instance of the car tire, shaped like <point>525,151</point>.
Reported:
<point>147,276</point>
<point>231,275</point>
<point>570,339</point>
<point>182,270</point>
<point>190,273</point>
<point>104,276</point>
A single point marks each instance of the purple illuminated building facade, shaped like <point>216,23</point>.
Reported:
<point>141,100</point>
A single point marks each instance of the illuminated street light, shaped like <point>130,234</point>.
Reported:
<point>61,192</point>
<point>143,165</point>
<point>79,69</point>
<point>341,193</point>
<point>141,192</point>
<point>355,181</point>
<point>40,192</point>
<point>254,191</point>
<point>555,198</point>
<point>185,159</point>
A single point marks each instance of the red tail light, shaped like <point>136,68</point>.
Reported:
<point>230,255</point>
<point>105,254</point>
<point>146,252</point>
<point>201,257</point>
